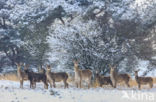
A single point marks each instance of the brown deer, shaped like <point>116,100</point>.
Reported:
<point>56,77</point>
<point>22,76</point>
<point>117,78</point>
<point>82,75</point>
<point>143,80</point>
<point>36,77</point>
<point>103,80</point>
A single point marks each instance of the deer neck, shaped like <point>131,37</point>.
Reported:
<point>76,68</point>
<point>114,74</point>
<point>136,77</point>
<point>19,71</point>
<point>48,72</point>
<point>18,68</point>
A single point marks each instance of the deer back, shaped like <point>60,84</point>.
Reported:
<point>143,80</point>
<point>103,80</point>
<point>59,76</point>
<point>86,74</point>
<point>123,77</point>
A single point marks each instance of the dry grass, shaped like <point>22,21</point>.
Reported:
<point>9,76</point>
<point>132,83</point>
<point>154,80</point>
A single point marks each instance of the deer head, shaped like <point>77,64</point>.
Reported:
<point>48,68</point>
<point>18,65</point>
<point>75,63</point>
<point>112,68</point>
<point>136,72</point>
<point>26,66</point>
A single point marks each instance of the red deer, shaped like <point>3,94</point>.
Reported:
<point>143,80</point>
<point>103,80</point>
<point>56,77</point>
<point>36,77</point>
<point>21,74</point>
<point>117,78</point>
<point>82,75</point>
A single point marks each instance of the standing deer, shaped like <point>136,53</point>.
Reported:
<point>36,77</point>
<point>21,74</point>
<point>103,80</point>
<point>82,75</point>
<point>143,80</point>
<point>117,78</point>
<point>56,77</point>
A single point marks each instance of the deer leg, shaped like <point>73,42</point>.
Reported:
<point>127,83</point>
<point>89,84</point>
<point>45,84</point>
<point>151,85</point>
<point>111,83</point>
<point>80,83</point>
<point>64,81</point>
<point>100,85</point>
<point>31,84</point>
<point>77,84</point>
<point>34,84</point>
<point>50,82</point>
<point>21,83</point>
<point>139,86</point>
<point>50,85</point>
<point>65,84</point>
<point>54,84</point>
<point>115,84</point>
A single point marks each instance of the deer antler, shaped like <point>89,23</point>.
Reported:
<point>110,66</point>
<point>75,61</point>
<point>114,66</point>
<point>16,63</point>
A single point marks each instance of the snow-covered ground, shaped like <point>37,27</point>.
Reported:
<point>10,92</point>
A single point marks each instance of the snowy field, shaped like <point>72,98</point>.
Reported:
<point>10,92</point>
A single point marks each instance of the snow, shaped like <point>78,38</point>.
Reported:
<point>10,92</point>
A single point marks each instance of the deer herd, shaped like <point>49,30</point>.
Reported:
<point>46,76</point>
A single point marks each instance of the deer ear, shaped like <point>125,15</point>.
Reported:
<point>27,65</point>
<point>114,67</point>
<point>136,70</point>
<point>110,66</point>
<point>48,66</point>
<point>21,63</point>
<point>74,61</point>
<point>16,63</point>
